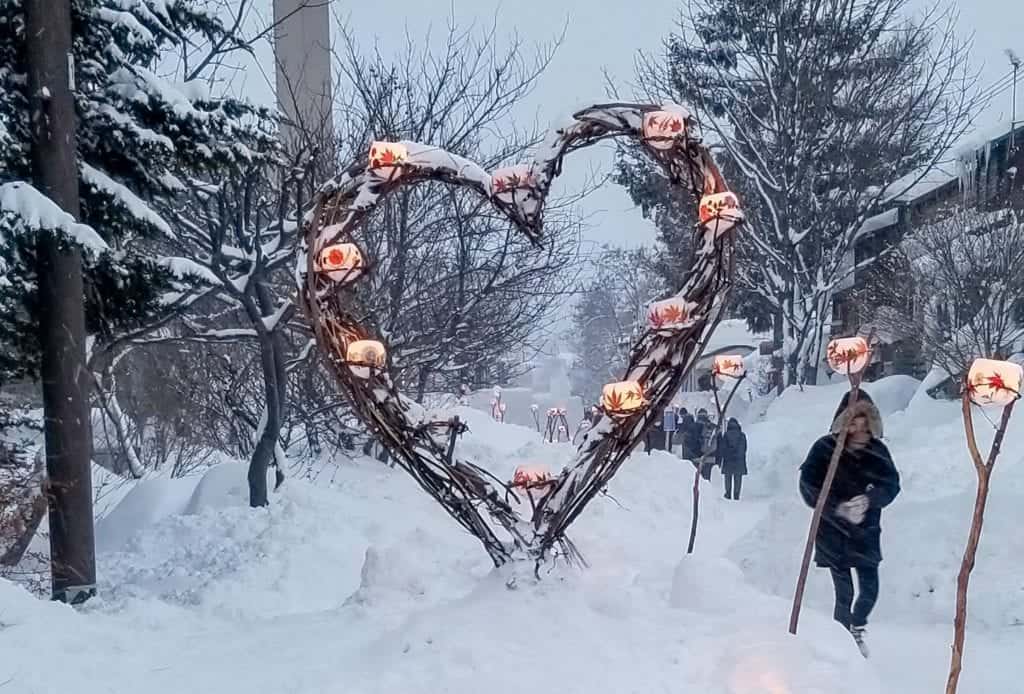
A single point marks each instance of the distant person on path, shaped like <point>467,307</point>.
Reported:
<point>732,456</point>
<point>686,424</point>
<point>849,537</point>
<point>705,441</point>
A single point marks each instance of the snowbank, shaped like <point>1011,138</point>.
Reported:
<point>363,585</point>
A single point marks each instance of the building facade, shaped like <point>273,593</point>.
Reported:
<point>988,174</point>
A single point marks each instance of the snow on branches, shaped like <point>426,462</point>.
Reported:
<point>139,136</point>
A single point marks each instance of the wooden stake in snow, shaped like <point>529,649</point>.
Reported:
<point>728,367</point>
<point>989,383</point>
<point>852,355</point>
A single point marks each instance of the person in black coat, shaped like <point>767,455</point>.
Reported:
<point>732,456</point>
<point>705,442</point>
<point>686,424</point>
<point>849,537</point>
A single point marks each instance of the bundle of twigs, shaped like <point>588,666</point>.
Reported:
<point>659,361</point>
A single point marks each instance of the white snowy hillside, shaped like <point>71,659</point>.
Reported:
<point>364,586</point>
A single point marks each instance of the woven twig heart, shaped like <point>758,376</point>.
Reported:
<point>659,361</point>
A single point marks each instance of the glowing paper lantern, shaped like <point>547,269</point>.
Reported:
<point>992,382</point>
<point>362,356</point>
<point>848,355</point>
<point>720,212</point>
<point>623,398</point>
<point>662,128</point>
<point>386,156</point>
<point>342,262</point>
<point>729,365</point>
<point>669,314</point>
<point>531,476</point>
<point>507,181</point>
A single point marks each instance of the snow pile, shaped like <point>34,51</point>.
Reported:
<point>364,585</point>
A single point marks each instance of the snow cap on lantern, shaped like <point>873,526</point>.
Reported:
<point>531,475</point>
<point>848,355</point>
<point>364,355</point>
<point>622,398</point>
<point>507,180</point>
<point>663,127</point>
<point>387,155</point>
<point>669,313</point>
<point>729,365</point>
<point>720,212</point>
<point>992,382</point>
<point>342,262</point>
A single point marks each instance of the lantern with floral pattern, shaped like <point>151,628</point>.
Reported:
<point>661,129</point>
<point>342,262</point>
<point>992,382</point>
<point>511,182</point>
<point>387,158</point>
<point>622,398</point>
<point>720,212</point>
<point>363,356</point>
<point>669,314</point>
<point>728,366</point>
<point>848,355</point>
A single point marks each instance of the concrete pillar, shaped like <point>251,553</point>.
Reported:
<point>302,39</point>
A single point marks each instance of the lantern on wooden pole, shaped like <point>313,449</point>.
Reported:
<point>727,368</point>
<point>849,355</point>
<point>557,424</point>
<point>990,383</point>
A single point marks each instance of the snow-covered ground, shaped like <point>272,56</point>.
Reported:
<point>364,585</point>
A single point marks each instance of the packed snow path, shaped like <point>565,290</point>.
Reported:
<point>365,587</point>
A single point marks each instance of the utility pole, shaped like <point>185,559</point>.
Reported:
<point>1015,62</point>
<point>67,428</point>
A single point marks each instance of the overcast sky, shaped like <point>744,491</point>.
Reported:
<point>605,35</point>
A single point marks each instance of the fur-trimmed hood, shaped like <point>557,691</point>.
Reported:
<point>864,407</point>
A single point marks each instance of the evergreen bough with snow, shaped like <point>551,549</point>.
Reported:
<point>825,113</point>
<point>149,123</point>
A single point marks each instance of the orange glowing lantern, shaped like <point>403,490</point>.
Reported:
<point>507,181</point>
<point>728,366</point>
<point>662,128</point>
<point>622,398</point>
<point>992,382</point>
<point>363,356</point>
<point>386,156</point>
<point>669,314</point>
<point>342,262</point>
<point>848,355</point>
<point>720,212</point>
<point>527,476</point>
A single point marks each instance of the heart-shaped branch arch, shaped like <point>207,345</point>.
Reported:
<point>660,360</point>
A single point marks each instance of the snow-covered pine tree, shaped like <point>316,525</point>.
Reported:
<point>148,120</point>
<point>825,109</point>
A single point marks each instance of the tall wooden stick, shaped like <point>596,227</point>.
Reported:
<point>720,410</point>
<point>984,471</point>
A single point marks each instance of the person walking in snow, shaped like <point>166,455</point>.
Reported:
<point>686,423</point>
<point>849,537</point>
<point>706,442</point>
<point>732,457</point>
